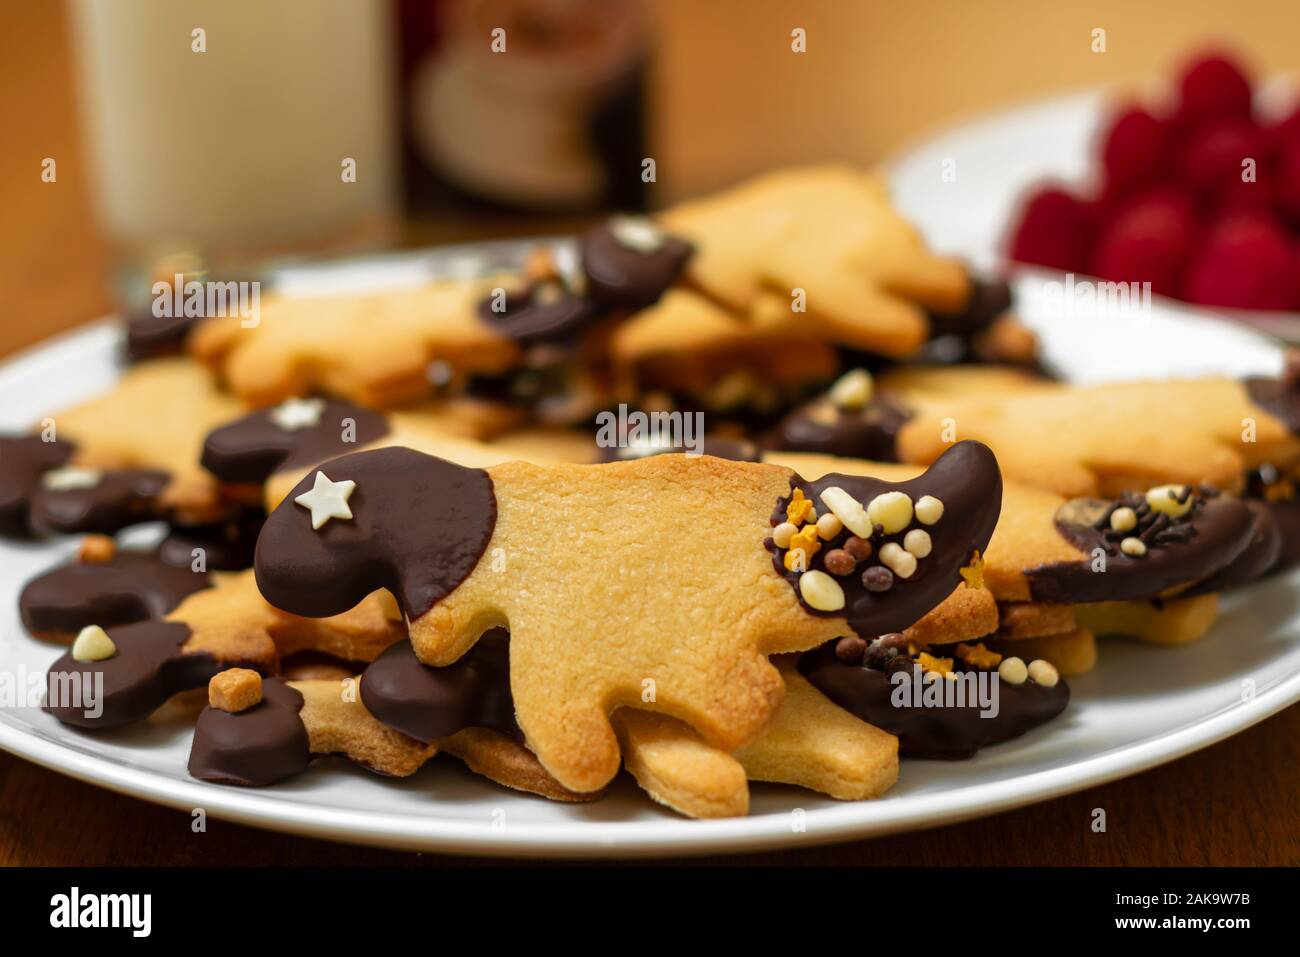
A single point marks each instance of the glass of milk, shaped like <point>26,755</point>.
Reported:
<point>237,129</point>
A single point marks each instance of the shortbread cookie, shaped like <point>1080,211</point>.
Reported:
<point>273,448</point>
<point>225,626</point>
<point>128,456</point>
<point>810,741</point>
<point>1079,440</point>
<point>1071,652</point>
<point>689,352</point>
<point>105,586</point>
<point>679,769</point>
<point>831,234</point>
<point>372,348</point>
<point>468,703</point>
<point>523,546</point>
<point>1176,622</point>
<point>390,348</point>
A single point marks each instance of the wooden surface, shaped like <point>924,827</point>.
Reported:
<point>1235,803</point>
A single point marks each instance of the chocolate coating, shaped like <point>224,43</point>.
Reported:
<point>989,299</point>
<point>151,337</point>
<point>23,460</point>
<point>530,316</point>
<point>149,668</point>
<point>254,747</point>
<point>132,586</point>
<point>227,546</point>
<point>419,526</point>
<point>1220,530</point>
<point>122,497</point>
<point>867,433</point>
<point>950,733</point>
<point>620,276</point>
<point>1278,397</point>
<point>429,703</point>
<point>1286,516</point>
<point>252,448</point>
<point>967,480</point>
<point>1260,556</point>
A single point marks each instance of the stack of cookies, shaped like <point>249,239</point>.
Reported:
<point>473,515</point>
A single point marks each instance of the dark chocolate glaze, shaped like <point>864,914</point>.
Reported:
<point>540,312</point>
<point>867,433</point>
<point>227,546</point>
<point>1256,560</point>
<point>23,460</point>
<point>989,299</point>
<point>419,526</point>
<point>720,447</point>
<point>967,480</point>
<point>1279,397</point>
<point>254,747</point>
<point>132,586</point>
<point>621,277</point>
<point>151,337</point>
<point>252,448</point>
<point>122,497</point>
<point>1286,515</point>
<point>149,668</point>
<point>945,733</point>
<point>1220,530</point>
<point>429,703</point>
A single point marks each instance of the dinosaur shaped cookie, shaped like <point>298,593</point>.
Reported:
<point>576,561</point>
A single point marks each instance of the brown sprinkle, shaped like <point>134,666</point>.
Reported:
<point>858,548</point>
<point>850,650</point>
<point>839,562</point>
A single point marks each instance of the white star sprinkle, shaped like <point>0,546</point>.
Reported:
<point>293,415</point>
<point>327,499</point>
<point>70,478</point>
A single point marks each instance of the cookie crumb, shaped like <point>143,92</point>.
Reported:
<point>235,690</point>
<point>97,549</point>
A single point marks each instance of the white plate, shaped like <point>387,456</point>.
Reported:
<point>1142,705</point>
<point>993,163</point>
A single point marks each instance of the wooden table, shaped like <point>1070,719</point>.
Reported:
<point>1235,803</point>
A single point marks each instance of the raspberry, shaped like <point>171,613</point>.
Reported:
<point>1133,148</point>
<point>1055,229</point>
<point>1244,262</point>
<point>1213,85</point>
<point>1287,191</point>
<point>1149,240</point>
<point>1210,161</point>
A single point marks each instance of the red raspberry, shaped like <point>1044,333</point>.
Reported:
<point>1133,148</point>
<point>1245,262</point>
<point>1055,229</point>
<point>1210,161</point>
<point>1287,190</point>
<point>1149,240</point>
<point>1213,85</point>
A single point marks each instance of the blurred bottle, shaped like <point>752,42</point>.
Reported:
<point>518,110</point>
<point>224,128</point>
